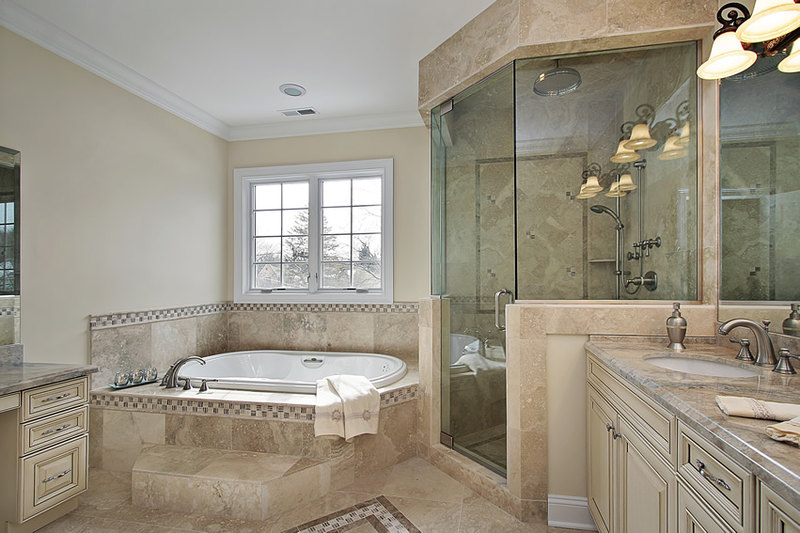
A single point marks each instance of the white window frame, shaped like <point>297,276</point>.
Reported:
<point>245,178</point>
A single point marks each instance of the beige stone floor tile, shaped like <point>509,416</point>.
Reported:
<point>416,478</point>
<point>70,523</point>
<point>429,516</point>
<point>480,516</point>
<point>248,466</point>
<point>370,483</point>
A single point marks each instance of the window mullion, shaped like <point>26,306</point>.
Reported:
<point>314,231</point>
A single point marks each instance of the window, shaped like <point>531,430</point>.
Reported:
<point>314,233</point>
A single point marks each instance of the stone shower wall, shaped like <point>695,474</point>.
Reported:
<point>129,341</point>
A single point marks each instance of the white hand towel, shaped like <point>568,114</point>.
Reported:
<point>752,408</point>
<point>788,431</point>
<point>328,410</point>
<point>489,375</point>
<point>361,403</point>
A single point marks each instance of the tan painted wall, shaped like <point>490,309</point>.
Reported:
<point>410,149</point>
<point>566,414</point>
<point>102,174</point>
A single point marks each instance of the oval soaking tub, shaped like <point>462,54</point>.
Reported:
<point>290,371</point>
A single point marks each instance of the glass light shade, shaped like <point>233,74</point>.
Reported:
<point>727,58</point>
<point>624,155</point>
<point>791,63</point>
<point>584,194</point>
<point>614,192</point>
<point>626,183</point>
<point>672,150</point>
<point>685,136</point>
<point>592,185</point>
<point>640,138</point>
<point>770,19</point>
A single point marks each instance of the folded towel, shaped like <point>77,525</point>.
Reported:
<point>328,412</point>
<point>489,375</point>
<point>788,431</point>
<point>356,407</point>
<point>752,408</point>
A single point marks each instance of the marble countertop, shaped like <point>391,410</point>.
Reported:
<point>691,398</point>
<point>14,378</point>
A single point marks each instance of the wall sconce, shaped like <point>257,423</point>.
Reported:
<point>775,23</point>
<point>646,133</point>
<point>591,184</point>
<point>626,183</point>
<point>624,155</point>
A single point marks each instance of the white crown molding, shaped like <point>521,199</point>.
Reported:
<point>569,512</point>
<point>297,126</point>
<point>34,28</point>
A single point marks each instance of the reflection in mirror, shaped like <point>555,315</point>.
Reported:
<point>9,246</point>
<point>759,193</point>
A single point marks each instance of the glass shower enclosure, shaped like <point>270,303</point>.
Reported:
<point>558,178</point>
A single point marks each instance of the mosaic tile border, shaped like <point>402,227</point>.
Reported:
<point>138,317</point>
<point>9,311</point>
<point>229,408</point>
<point>378,512</point>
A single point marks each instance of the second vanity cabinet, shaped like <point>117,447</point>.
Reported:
<point>650,472</point>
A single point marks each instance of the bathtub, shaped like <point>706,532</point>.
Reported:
<point>290,371</point>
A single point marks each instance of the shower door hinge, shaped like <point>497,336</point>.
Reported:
<point>446,107</point>
<point>446,439</point>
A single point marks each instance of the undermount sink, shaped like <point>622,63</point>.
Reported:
<point>701,367</point>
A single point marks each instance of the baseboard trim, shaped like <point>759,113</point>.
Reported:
<point>569,512</point>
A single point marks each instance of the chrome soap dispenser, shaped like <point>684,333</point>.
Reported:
<point>791,326</point>
<point>676,329</point>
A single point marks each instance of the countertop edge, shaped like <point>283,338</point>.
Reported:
<point>36,374</point>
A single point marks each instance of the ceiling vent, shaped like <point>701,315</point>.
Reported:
<point>301,112</point>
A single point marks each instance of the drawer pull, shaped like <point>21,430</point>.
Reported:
<point>59,397</point>
<point>702,469</point>
<point>613,431</point>
<point>56,476</point>
<point>56,430</point>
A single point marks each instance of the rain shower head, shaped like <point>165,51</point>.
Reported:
<point>603,209</point>
<point>557,81</point>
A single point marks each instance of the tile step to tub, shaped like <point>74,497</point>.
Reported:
<point>235,484</point>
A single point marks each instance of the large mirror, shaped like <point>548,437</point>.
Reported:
<point>9,246</point>
<point>760,193</point>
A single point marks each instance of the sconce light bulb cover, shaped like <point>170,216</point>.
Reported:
<point>791,63</point>
<point>584,194</point>
<point>727,58</point>
<point>624,155</point>
<point>685,136</point>
<point>672,150</point>
<point>626,183</point>
<point>592,185</point>
<point>770,19</point>
<point>640,138</point>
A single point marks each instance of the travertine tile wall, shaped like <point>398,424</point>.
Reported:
<point>160,342</point>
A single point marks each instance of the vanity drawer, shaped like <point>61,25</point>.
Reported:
<point>49,399</point>
<point>654,422</point>
<point>45,432</point>
<point>9,402</point>
<point>724,485</point>
<point>52,476</point>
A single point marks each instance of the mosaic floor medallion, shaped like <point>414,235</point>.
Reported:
<point>377,515</point>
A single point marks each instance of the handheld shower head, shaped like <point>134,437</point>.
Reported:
<point>603,209</point>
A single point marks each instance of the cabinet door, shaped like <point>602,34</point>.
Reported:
<point>646,485</point>
<point>600,417</point>
<point>776,515</point>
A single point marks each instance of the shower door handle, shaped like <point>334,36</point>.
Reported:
<point>497,307</point>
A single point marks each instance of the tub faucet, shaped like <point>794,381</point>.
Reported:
<point>765,352</point>
<point>172,373</point>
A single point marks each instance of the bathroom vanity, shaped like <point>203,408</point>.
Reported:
<point>662,457</point>
<point>44,434</point>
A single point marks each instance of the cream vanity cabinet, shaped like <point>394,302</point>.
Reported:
<point>43,445</point>
<point>632,485</point>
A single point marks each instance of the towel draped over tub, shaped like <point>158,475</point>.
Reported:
<point>346,406</point>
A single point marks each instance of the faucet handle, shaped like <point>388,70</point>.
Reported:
<point>744,352</point>
<point>204,385</point>
<point>784,365</point>
<point>766,324</point>
<point>187,383</point>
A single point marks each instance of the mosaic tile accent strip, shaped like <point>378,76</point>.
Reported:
<point>211,407</point>
<point>378,512</point>
<point>138,317</point>
<point>9,311</point>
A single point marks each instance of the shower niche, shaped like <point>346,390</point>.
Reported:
<point>557,178</point>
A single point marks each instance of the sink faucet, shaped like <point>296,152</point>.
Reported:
<point>172,374</point>
<point>765,352</point>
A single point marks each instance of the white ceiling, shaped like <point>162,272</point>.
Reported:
<point>218,64</point>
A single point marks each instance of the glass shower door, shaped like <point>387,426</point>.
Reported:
<point>474,263</point>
